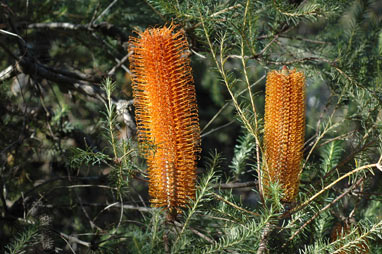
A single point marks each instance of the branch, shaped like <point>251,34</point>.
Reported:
<point>198,233</point>
<point>20,40</point>
<point>72,80</point>
<point>237,185</point>
<point>325,208</point>
<point>14,35</point>
<point>235,206</point>
<point>213,15</point>
<point>119,64</point>
<point>125,206</point>
<point>304,59</point>
<point>105,11</point>
<point>103,27</point>
<point>29,65</point>
<point>314,12</point>
<point>8,73</point>
<point>74,239</point>
<point>264,239</point>
<point>375,165</point>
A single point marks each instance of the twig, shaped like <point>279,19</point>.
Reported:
<point>254,111</point>
<point>267,46</point>
<point>235,206</point>
<point>29,65</point>
<point>203,236</point>
<point>291,14</point>
<point>324,209</point>
<point>155,10</point>
<point>118,205</point>
<point>119,64</point>
<point>347,159</point>
<point>218,13</point>
<point>263,246</point>
<point>75,74</point>
<point>229,102</point>
<point>105,11</point>
<point>2,196</point>
<point>74,239</point>
<point>377,165</point>
<point>67,243</point>
<point>237,185</point>
<point>343,136</point>
<point>103,27</point>
<point>87,186</point>
<point>166,243</point>
<point>300,60</point>
<point>214,117</point>
<point>217,128</point>
<point>107,207</point>
<point>305,39</point>
<point>324,132</point>
<point>198,54</point>
<point>38,186</point>
<point>220,67</point>
<point>366,235</point>
<point>14,35</point>
<point>120,215</point>
<point>225,10</point>
<point>7,73</point>
<point>109,50</point>
<point>91,222</point>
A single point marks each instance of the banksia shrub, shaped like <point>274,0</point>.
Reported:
<point>284,131</point>
<point>166,114</point>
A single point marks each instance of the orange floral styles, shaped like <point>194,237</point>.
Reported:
<point>166,114</point>
<point>284,131</point>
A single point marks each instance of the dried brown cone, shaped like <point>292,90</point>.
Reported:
<point>340,230</point>
<point>284,131</point>
<point>166,114</point>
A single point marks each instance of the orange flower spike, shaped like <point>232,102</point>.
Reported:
<point>284,130</point>
<point>166,114</point>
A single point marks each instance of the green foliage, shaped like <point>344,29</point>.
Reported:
<point>81,157</point>
<point>331,155</point>
<point>243,150</point>
<point>23,240</point>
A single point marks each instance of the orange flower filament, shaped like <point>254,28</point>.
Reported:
<point>166,114</point>
<point>284,130</point>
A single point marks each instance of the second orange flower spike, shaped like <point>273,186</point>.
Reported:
<point>284,131</point>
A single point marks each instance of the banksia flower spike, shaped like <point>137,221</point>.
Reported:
<point>166,114</point>
<point>284,131</point>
